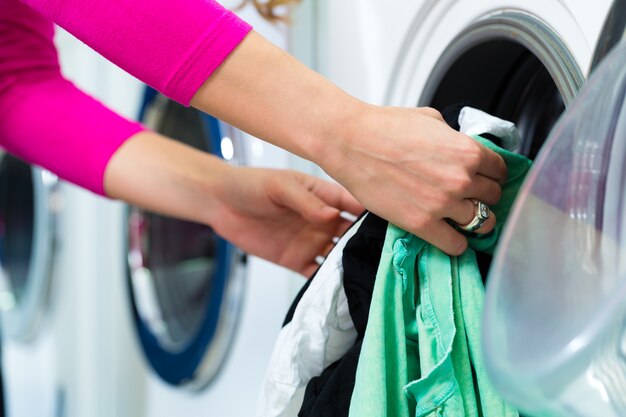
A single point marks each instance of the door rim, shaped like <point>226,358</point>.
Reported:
<point>21,320</point>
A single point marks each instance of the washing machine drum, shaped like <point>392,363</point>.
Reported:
<point>555,313</point>
<point>27,223</point>
<point>186,281</point>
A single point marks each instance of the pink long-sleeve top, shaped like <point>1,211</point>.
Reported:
<point>172,45</point>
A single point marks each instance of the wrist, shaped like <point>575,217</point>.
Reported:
<point>328,148</point>
<point>213,188</point>
<point>165,176</point>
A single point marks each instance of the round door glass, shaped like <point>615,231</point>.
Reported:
<point>556,300</point>
<point>513,66</point>
<point>26,244</point>
<point>185,278</point>
<point>17,224</point>
<point>510,65</point>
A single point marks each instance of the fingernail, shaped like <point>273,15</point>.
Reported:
<point>348,216</point>
<point>462,247</point>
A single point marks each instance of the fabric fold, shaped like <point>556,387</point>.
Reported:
<point>418,286</point>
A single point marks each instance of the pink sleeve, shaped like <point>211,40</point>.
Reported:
<point>171,45</point>
<point>44,119</point>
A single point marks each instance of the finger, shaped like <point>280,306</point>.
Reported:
<point>434,113</point>
<point>338,197</point>
<point>318,259</point>
<point>327,249</point>
<point>443,236</point>
<point>308,270</point>
<point>297,197</point>
<point>492,165</point>
<point>350,204</point>
<point>464,212</point>
<point>488,226</point>
<point>342,227</point>
<point>484,189</point>
<point>311,245</point>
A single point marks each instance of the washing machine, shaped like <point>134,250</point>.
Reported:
<point>85,332</point>
<point>204,315</point>
<point>393,52</point>
<point>64,350</point>
<point>28,230</point>
<point>47,260</point>
<point>523,61</point>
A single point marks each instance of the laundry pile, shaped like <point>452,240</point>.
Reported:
<point>390,325</point>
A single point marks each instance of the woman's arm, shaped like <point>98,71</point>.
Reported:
<point>285,217</point>
<point>44,118</point>
<point>405,165</point>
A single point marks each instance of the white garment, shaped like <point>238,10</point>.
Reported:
<point>320,333</point>
<point>476,122</point>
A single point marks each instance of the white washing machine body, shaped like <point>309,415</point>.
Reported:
<point>28,250</point>
<point>576,25</point>
<point>372,49</point>
<point>62,336</point>
<point>75,358</point>
<point>355,42</point>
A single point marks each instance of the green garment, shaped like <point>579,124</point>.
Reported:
<point>423,333</point>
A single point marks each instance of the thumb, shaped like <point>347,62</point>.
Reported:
<point>303,201</point>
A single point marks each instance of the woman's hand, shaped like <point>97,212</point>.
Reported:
<point>285,217</point>
<point>408,166</point>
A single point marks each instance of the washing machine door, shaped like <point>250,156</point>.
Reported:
<point>186,281</point>
<point>27,230</point>
<point>555,311</point>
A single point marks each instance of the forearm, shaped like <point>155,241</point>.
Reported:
<point>266,92</point>
<point>166,176</point>
<point>404,164</point>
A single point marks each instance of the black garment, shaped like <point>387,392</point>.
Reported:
<point>329,394</point>
<point>305,287</point>
<point>451,114</point>
<point>296,301</point>
<point>361,258</point>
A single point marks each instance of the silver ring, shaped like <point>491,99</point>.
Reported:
<point>481,215</point>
